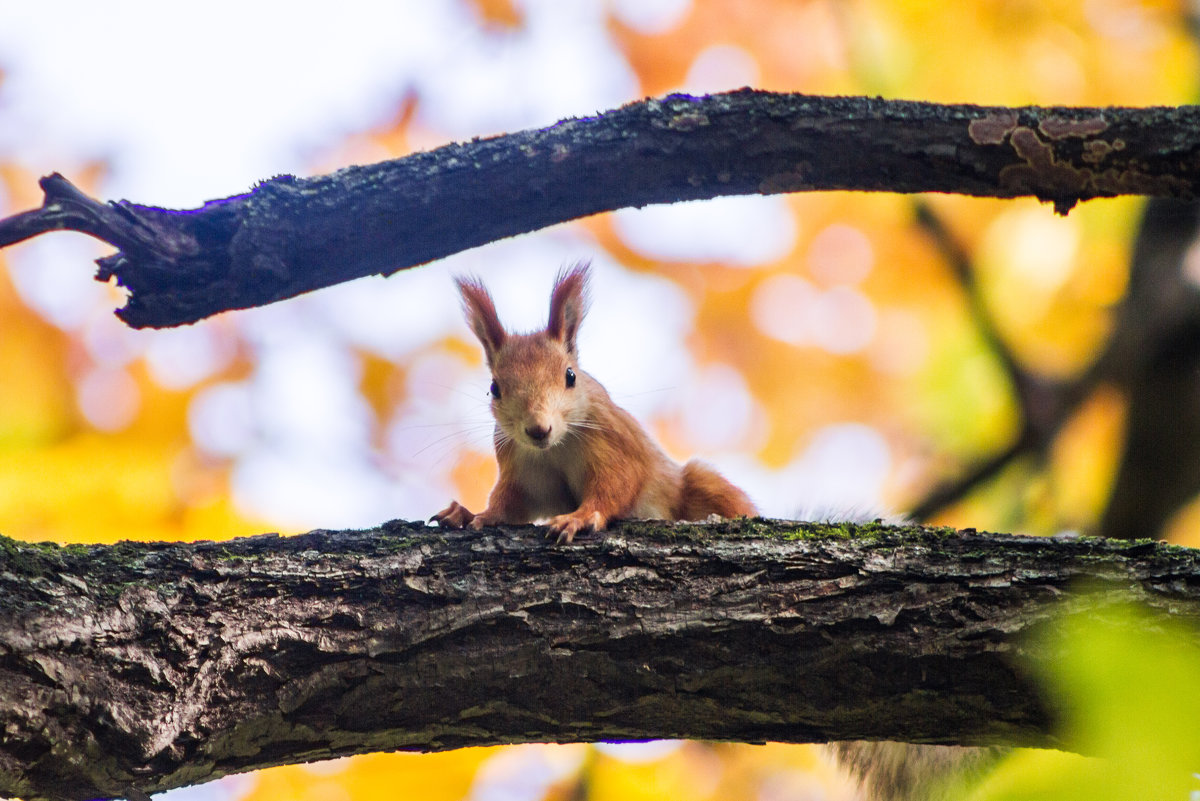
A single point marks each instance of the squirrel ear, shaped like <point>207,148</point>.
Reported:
<point>481,316</point>
<point>568,304</point>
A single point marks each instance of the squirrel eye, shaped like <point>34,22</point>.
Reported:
<point>495,390</point>
<point>570,378</point>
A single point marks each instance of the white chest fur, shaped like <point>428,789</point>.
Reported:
<point>551,480</point>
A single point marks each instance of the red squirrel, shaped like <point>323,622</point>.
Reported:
<point>568,454</point>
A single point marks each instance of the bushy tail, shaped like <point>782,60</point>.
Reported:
<point>707,492</point>
<point>891,771</point>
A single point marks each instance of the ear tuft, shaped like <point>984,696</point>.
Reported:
<point>480,312</point>
<point>568,304</point>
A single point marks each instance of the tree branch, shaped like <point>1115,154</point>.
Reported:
<point>291,235</point>
<point>163,664</point>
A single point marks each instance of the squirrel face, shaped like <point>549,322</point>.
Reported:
<point>533,390</point>
<point>534,396</point>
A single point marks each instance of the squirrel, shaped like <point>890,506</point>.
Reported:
<point>567,454</point>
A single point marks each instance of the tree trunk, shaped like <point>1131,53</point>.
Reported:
<point>156,665</point>
<point>291,235</point>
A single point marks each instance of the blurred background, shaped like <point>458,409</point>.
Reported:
<point>973,362</point>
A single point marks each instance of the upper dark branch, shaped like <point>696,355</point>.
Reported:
<point>162,664</point>
<point>292,235</point>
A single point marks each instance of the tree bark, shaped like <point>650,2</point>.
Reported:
<point>157,665</point>
<point>292,235</point>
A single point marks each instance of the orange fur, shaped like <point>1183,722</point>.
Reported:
<point>568,454</point>
<point>706,492</point>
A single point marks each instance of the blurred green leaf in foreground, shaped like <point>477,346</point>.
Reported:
<point>1129,685</point>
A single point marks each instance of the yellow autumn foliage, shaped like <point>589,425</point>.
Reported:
<point>445,776</point>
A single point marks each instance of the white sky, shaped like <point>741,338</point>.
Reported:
<point>199,101</point>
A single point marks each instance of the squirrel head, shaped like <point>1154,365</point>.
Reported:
<point>534,376</point>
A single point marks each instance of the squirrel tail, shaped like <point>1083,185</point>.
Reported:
<point>706,492</point>
<point>889,771</point>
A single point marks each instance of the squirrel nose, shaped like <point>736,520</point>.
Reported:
<point>537,433</point>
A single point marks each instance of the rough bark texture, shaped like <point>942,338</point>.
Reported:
<point>164,664</point>
<point>291,235</point>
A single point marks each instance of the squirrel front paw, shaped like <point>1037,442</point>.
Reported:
<point>565,527</point>
<point>454,516</point>
<point>486,518</point>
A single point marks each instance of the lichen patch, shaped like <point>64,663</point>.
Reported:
<point>993,128</point>
<point>1053,127</point>
<point>1043,175</point>
<point>1096,151</point>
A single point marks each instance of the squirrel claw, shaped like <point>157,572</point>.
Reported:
<point>565,527</point>
<point>453,516</point>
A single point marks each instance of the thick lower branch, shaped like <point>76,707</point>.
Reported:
<point>158,665</point>
<point>291,235</point>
